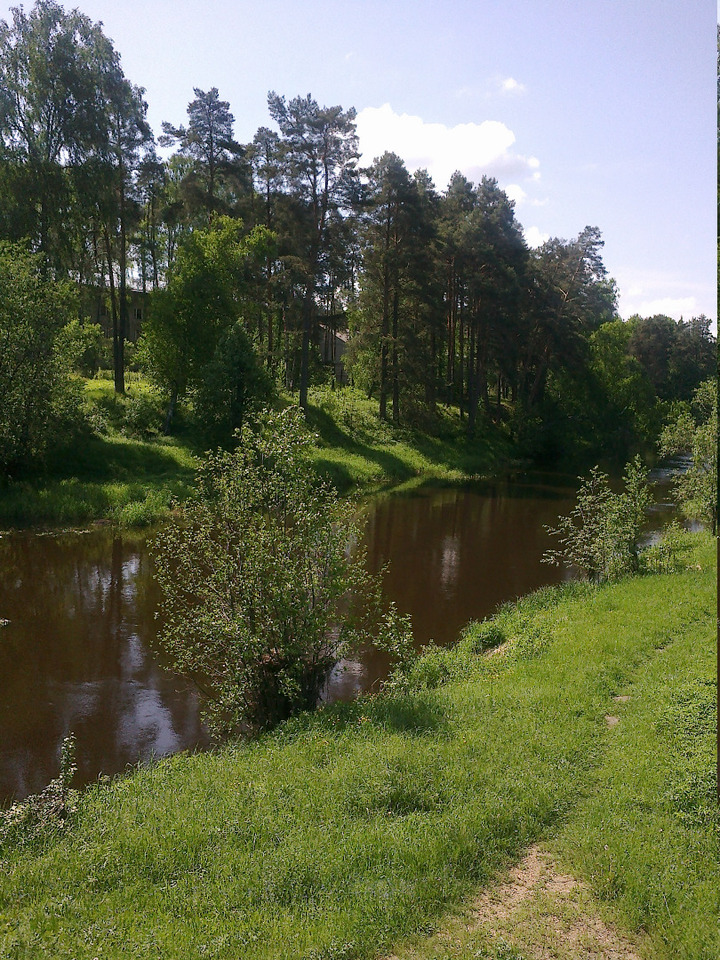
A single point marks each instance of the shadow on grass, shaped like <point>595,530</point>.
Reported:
<point>449,450</point>
<point>332,435</point>
<point>117,460</point>
<point>415,714</point>
<point>98,478</point>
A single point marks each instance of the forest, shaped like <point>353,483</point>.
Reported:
<point>226,272</point>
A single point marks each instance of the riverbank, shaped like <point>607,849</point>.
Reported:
<point>123,470</point>
<point>350,830</point>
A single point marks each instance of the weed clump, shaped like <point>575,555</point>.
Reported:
<point>43,814</point>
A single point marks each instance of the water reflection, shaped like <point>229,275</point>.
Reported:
<point>77,655</point>
<point>457,554</point>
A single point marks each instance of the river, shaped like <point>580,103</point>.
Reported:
<point>78,652</point>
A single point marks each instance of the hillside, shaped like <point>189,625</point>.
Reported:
<point>122,468</point>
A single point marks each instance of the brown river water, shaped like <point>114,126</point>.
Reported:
<point>78,652</point>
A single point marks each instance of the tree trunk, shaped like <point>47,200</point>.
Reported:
<point>119,385</point>
<point>307,318</point>
<point>305,348</point>
<point>537,390</point>
<point>472,381</point>
<point>170,415</point>
<point>395,363</point>
<point>460,367</point>
<point>120,356</point>
<point>385,326</point>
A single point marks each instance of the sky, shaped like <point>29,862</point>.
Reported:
<point>587,112</point>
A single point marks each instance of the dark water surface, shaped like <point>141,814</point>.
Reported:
<point>79,651</point>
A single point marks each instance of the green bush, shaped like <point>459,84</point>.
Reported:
<point>143,415</point>
<point>696,433</point>
<point>82,346</point>
<point>40,402</point>
<point>601,536</point>
<point>233,382</point>
<point>255,574</point>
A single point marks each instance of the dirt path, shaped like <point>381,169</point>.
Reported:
<point>537,913</point>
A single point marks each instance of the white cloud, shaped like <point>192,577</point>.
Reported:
<point>675,307</point>
<point>516,193</point>
<point>534,237</point>
<point>476,149</point>
<point>511,85</point>
<point>649,292</point>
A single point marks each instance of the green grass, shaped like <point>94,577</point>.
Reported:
<point>108,476</point>
<point>355,448</point>
<point>647,837</point>
<point>123,469</point>
<point>120,468</point>
<point>351,829</point>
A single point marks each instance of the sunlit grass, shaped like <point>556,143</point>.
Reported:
<point>356,448</point>
<point>107,476</point>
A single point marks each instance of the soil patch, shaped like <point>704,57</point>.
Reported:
<point>537,913</point>
<point>561,903</point>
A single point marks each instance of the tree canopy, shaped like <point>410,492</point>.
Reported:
<point>251,257</point>
<point>39,406</point>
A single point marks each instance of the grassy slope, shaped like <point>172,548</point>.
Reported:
<point>644,837</point>
<point>360,825</point>
<point>355,448</point>
<point>110,472</point>
<point>124,472</point>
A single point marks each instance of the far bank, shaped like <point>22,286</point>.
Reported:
<point>122,469</point>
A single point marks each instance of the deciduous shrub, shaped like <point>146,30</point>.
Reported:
<point>262,579</point>
<point>601,536</point>
<point>39,400</point>
<point>696,432</point>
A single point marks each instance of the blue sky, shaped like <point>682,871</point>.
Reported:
<point>598,112</point>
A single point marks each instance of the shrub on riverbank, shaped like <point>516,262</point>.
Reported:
<point>602,536</point>
<point>348,829</point>
<point>264,586</point>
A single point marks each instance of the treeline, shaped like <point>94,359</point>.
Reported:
<point>251,255</point>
